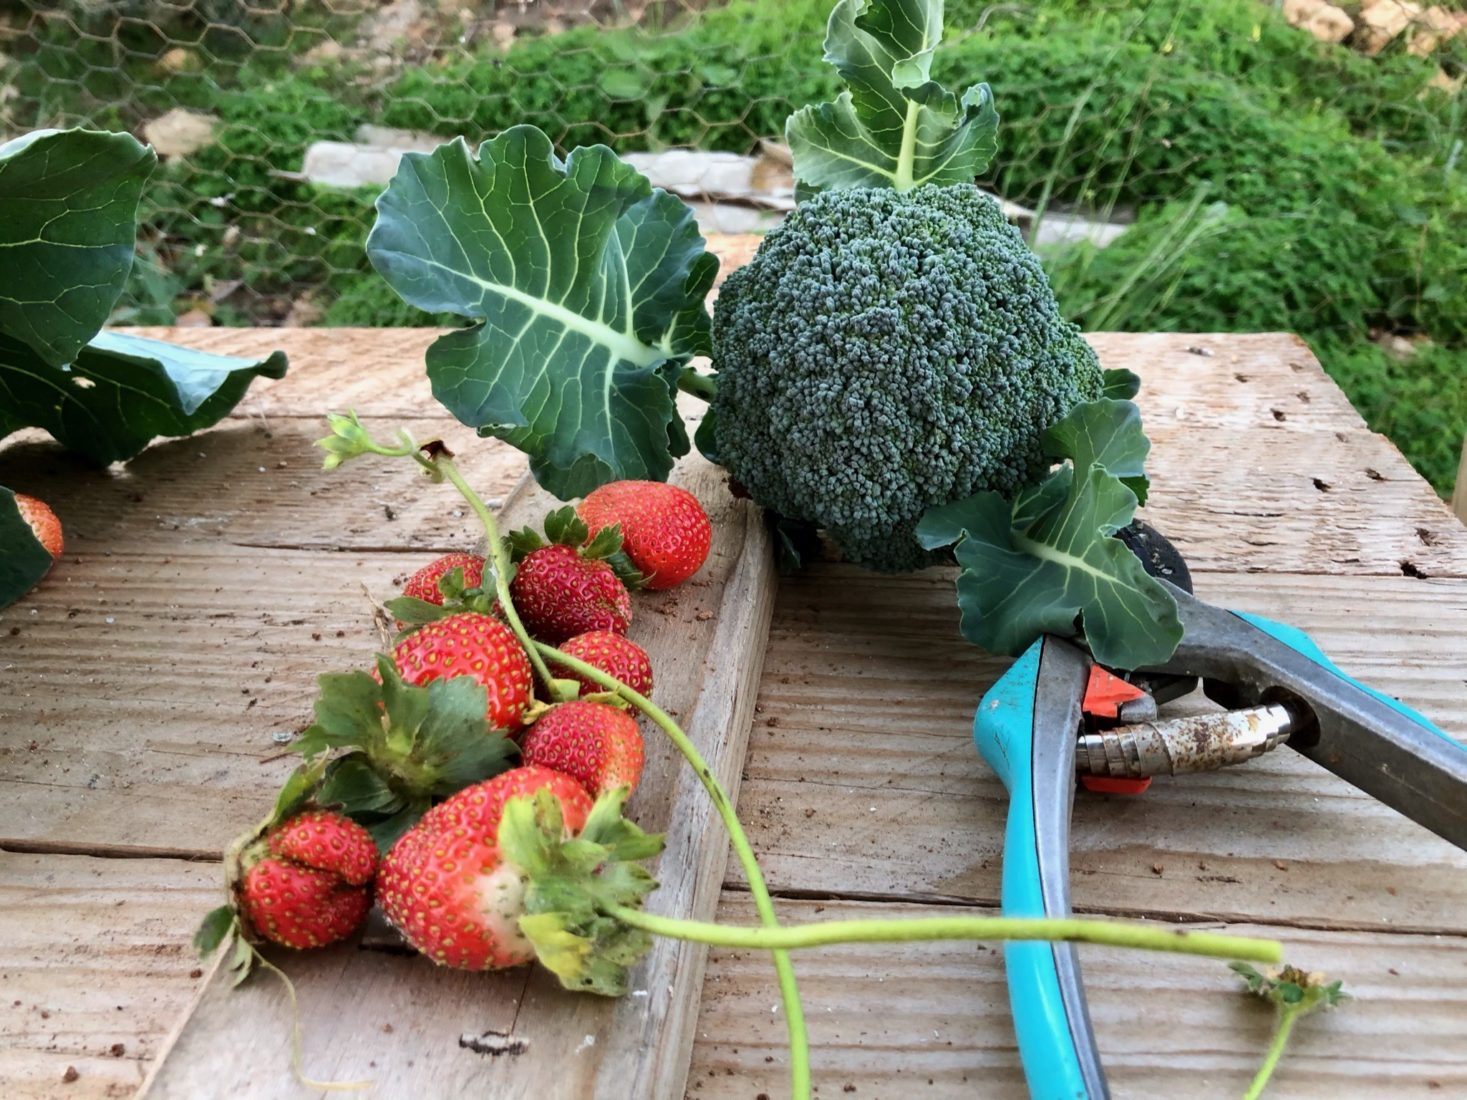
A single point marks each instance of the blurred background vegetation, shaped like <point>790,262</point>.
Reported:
<point>1266,180</point>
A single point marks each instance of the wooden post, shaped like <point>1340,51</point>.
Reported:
<point>1459,494</point>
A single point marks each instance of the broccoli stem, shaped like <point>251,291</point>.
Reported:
<point>703,386</point>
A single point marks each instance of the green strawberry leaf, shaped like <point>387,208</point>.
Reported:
<point>894,126</point>
<point>70,200</point>
<point>217,924</point>
<point>563,527</point>
<point>411,611</point>
<point>299,788</point>
<point>23,560</point>
<point>354,787</point>
<point>1046,563</point>
<point>573,885</point>
<point>242,961</point>
<point>586,288</point>
<point>120,392</point>
<point>523,543</point>
<point>389,830</point>
<point>411,744</point>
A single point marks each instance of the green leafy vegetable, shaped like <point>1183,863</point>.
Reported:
<point>1046,564</point>
<point>895,126</point>
<point>70,200</point>
<point>587,288</point>
<point>122,391</point>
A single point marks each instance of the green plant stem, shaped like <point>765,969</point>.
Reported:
<point>921,929</point>
<point>784,968</point>
<point>501,567</point>
<point>1288,1015</point>
<point>697,384</point>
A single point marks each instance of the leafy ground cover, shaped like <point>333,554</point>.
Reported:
<point>1274,182</point>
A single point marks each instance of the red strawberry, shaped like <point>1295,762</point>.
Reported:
<point>559,594</point>
<point>614,655</point>
<point>424,583</point>
<point>44,524</point>
<point>444,885</point>
<point>598,744</point>
<point>664,530</point>
<point>311,889</point>
<point>327,841</point>
<point>471,644</point>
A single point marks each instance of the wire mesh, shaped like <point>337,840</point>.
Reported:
<point>1179,164</point>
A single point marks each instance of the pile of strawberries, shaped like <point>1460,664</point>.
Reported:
<point>309,875</point>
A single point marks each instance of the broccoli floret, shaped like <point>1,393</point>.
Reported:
<point>886,351</point>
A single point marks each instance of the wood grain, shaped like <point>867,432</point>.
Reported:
<point>863,780</point>
<point>233,581</point>
<point>705,641</point>
<point>95,965</point>
<point>932,1020</point>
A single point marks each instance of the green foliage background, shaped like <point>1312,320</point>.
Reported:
<point>1275,183</point>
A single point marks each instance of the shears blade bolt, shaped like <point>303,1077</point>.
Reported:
<point>1181,745</point>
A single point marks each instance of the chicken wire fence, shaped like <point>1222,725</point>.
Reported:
<point>1180,164</point>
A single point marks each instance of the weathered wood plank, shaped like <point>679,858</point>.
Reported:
<point>255,483</point>
<point>932,1020</point>
<point>95,965</point>
<point>862,777</point>
<point>706,641</point>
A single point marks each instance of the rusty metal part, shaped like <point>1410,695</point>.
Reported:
<point>1180,745</point>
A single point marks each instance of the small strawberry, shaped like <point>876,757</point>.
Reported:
<point>560,593</point>
<point>423,584</point>
<point>664,530</point>
<point>618,657</point>
<point>44,524</point>
<point>471,644</point>
<point>307,885</point>
<point>445,886</point>
<point>599,745</point>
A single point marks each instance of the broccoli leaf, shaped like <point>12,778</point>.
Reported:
<point>588,291</point>
<point>1046,563</point>
<point>70,199</point>
<point>121,391</point>
<point>894,126</point>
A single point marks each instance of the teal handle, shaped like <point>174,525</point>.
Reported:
<point>1302,643</point>
<point>1004,732</point>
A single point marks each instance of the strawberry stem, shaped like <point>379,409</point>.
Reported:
<point>500,556</point>
<point>920,929</point>
<point>784,968</point>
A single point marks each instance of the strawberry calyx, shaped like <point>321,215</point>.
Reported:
<point>564,527</point>
<point>400,746</point>
<point>571,884</point>
<point>455,596</point>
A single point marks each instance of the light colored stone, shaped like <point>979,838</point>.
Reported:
<point>1444,82</point>
<point>180,60</point>
<point>415,140</point>
<point>694,174</point>
<point>1329,24</point>
<point>343,164</point>
<point>194,318</point>
<point>1382,21</point>
<point>1435,26</point>
<point>502,34</point>
<point>323,53</point>
<point>180,132</point>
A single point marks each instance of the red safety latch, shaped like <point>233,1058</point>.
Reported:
<point>1104,694</point>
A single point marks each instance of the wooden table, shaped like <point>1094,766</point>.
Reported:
<point>206,585</point>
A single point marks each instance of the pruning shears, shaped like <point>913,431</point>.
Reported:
<point>1056,716</point>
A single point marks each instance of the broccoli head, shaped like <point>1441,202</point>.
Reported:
<point>886,351</point>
